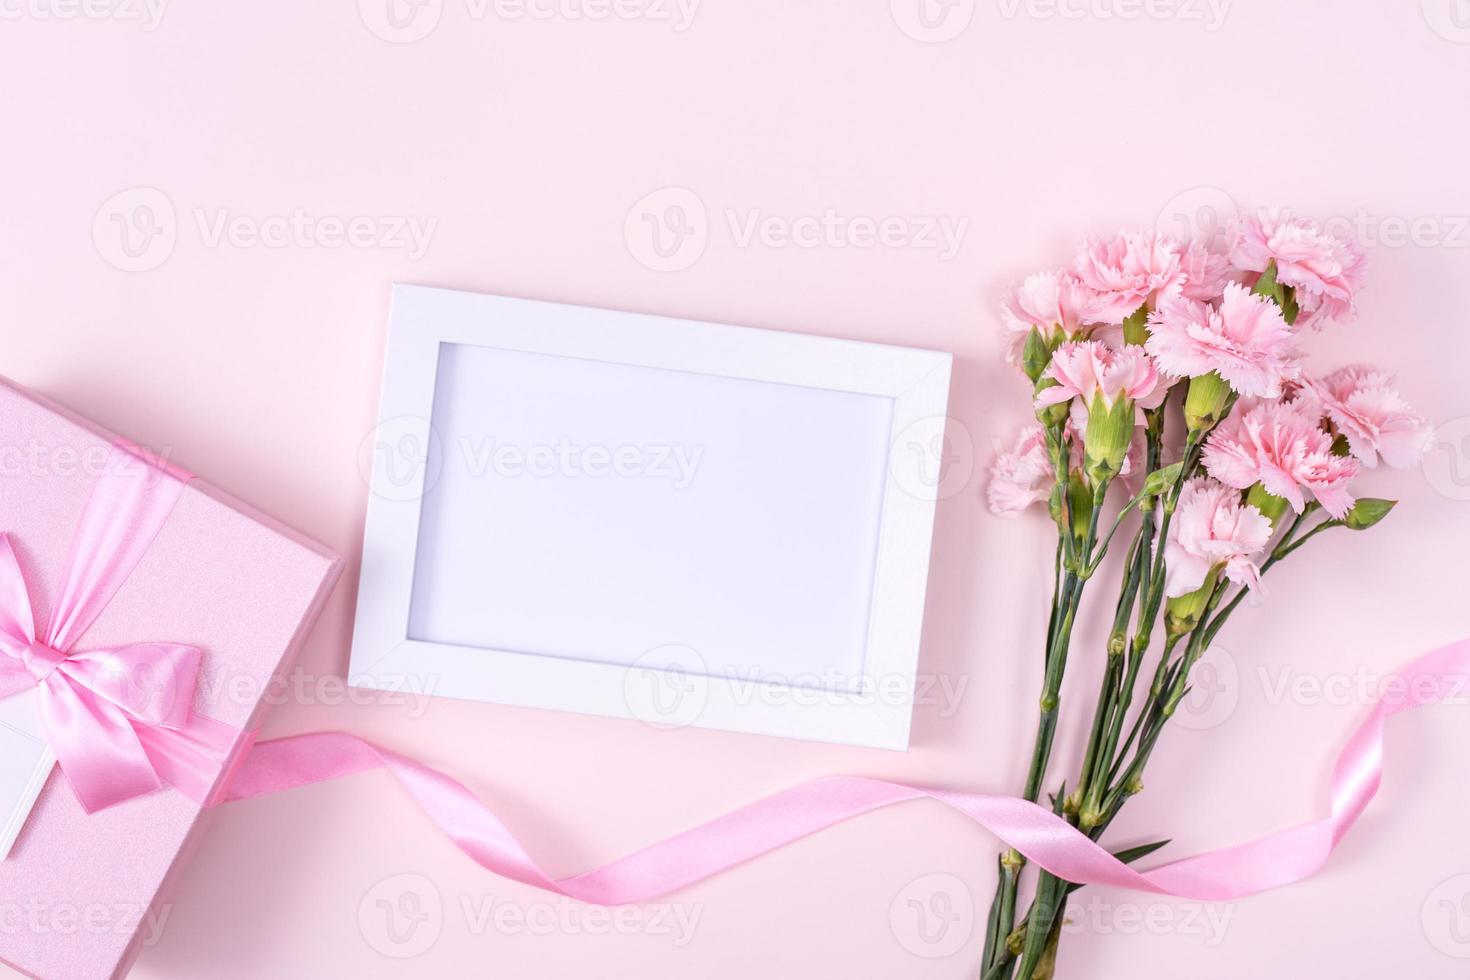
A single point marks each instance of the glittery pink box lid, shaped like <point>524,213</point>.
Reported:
<point>76,890</point>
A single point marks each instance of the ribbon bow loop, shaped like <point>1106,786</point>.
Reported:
<point>120,719</point>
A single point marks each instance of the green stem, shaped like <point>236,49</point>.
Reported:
<point>1161,706</point>
<point>1114,693</point>
<point>1004,957</point>
<point>1065,595</point>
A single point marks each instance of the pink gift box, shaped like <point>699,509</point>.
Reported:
<point>80,893</point>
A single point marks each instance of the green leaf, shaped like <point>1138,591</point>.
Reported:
<point>1367,512</point>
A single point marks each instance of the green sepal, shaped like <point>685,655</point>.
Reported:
<point>1272,507</point>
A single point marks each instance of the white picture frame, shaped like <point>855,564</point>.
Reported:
<point>749,552</point>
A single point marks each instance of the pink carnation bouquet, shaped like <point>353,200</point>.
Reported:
<point>1177,369</point>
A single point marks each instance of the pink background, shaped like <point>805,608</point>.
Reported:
<point>529,140</point>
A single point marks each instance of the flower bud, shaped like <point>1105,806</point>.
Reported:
<point>1109,434</point>
<point>1208,401</point>
<point>1051,415</point>
<point>1162,479</point>
<point>1079,496</point>
<point>1182,614</point>
<point>1035,355</point>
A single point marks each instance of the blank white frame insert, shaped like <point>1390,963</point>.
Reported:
<point>679,522</point>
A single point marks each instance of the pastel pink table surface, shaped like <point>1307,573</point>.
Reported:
<point>179,259</point>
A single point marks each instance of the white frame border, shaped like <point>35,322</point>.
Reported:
<point>423,318</point>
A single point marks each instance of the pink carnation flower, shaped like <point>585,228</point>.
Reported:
<point>1212,528</point>
<point>1325,271</point>
<point>1246,341</point>
<point>1090,369</point>
<point>1045,301</point>
<point>1376,420</point>
<point>1022,476</point>
<point>1129,271</point>
<point>1206,273</point>
<point>1282,446</point>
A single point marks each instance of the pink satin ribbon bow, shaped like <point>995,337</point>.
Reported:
<point>119,719</point>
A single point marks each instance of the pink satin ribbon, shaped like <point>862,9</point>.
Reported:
<point>119,719</point>
<point>1230,873</point>
<point>121,724</point>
